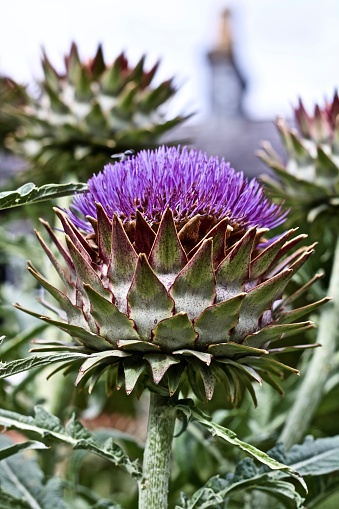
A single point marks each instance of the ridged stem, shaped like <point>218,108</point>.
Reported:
<point>321,364</point>
<point>153,487</point>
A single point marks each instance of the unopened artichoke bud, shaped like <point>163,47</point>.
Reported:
<point>88,112</point>
<point>170,281</point>
<point>308,181</point>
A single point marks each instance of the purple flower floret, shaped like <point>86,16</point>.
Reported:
<point>189,182</point>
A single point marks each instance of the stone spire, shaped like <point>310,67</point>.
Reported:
<point>227,83</point>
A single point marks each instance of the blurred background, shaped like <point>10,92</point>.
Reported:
<point>284,47</point>
<point>250,64</point>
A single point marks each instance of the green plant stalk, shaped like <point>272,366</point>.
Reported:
<point>153,487</point>
<point>321,364</point>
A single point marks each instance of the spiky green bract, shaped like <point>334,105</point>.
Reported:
<point>174,318</point>
<point>87,113</point>
<point>308,181</point>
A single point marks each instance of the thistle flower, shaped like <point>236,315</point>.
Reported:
<point>170,283</point>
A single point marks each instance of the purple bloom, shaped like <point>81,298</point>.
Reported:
<point>188,182</point>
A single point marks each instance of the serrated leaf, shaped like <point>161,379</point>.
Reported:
<point>313,457</point>
<point>48,427</point>
<point>30,193</point>
<point>8,501</point>
<point>22,446</point>
<point>174,333</point>
<point>22,479</point>
<point>20,365</point>
<point>148,301</point>
<point>194,287</point>
<point>230,437</point>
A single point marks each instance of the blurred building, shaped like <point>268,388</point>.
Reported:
<point>227,131</point>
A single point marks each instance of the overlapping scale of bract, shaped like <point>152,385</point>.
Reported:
<point>87,113</point>
<point>150,312</point>
<point>308,180</point>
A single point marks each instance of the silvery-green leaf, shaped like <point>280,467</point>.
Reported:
<point>174,333</point>
<point>6,452</point>
<point>148,301</point>
<point>48,426</point>
<point>30,193</point>
<point>194,287</point>
<point>23,483</point>
<point>34,361</point>
<point>215,322</point>
<point>230,437</point>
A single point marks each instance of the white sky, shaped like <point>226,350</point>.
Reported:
<point>287,48</point>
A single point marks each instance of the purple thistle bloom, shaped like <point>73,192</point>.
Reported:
<point>188,182</point>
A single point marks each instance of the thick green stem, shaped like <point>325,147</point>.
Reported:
<point>153,487</point>
<point>322,362</point>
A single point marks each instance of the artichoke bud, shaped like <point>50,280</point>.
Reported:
<point>178,301</point>
<point>308,181</point>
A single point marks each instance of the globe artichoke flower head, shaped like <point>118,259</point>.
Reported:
<point>170,283</point>
<point>309,179</point>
